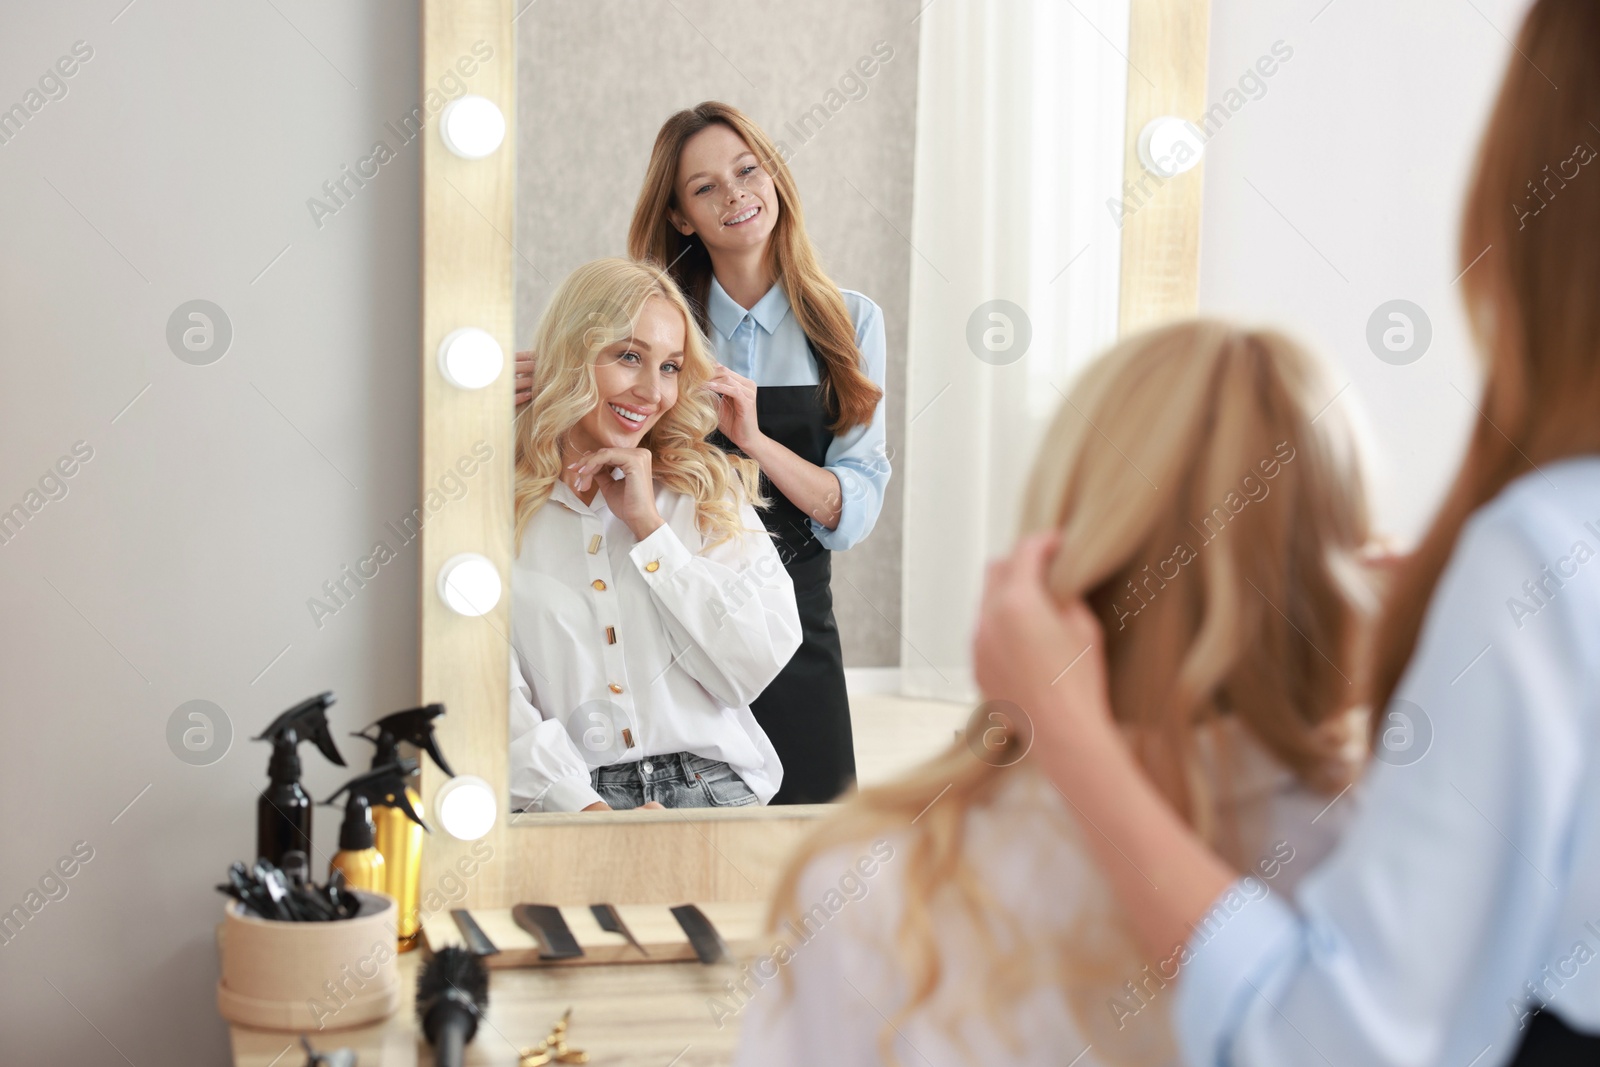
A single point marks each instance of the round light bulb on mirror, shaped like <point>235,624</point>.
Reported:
<point>466,807</point>
<point>472,126</point>
<point>469,584</point>
<point>1168,146</point>
<point>470,358</point>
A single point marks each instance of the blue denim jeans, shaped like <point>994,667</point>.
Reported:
<point>676,780</point>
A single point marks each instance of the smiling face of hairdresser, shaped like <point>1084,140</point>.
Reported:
<point>723,193</point>
<point>637,379</point>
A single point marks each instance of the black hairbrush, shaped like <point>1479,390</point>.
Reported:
<point>452,995</point>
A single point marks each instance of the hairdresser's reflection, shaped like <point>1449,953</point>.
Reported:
<point>649,605</point>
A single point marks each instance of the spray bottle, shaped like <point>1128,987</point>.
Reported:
<point>399,837</point>
<point>283,814</point>
<point>358,857</point>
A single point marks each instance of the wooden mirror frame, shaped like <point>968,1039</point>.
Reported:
<point>467,280</point>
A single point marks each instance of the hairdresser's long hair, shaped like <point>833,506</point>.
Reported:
<point>595,307</point>
<point>1531,297</point>
<point>1261,624</point>
<point>817,303</point>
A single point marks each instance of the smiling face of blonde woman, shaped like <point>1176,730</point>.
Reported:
<point>723,193</point>
<point>637,379</point>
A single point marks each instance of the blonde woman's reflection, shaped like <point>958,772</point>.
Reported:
<point>649,604</point>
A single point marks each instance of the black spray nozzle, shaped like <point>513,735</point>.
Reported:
<point>358,832</point>
<point>384,785</point>
<point>306,721</point>
<point>415,727</point>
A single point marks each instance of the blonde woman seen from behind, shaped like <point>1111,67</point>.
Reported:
<point>955,916</point>
<point>1455,923</point>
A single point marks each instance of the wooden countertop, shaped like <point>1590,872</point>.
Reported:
<point>623,1015</point>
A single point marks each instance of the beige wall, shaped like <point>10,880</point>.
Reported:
<point>219,498</point>
<point>596,78</point>
<point>1339,189</point>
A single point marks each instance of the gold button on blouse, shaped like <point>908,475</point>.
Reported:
<point>615,688</point>
<point>598,584</point>
<point>653,566</point>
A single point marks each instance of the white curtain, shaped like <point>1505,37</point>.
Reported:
<point>1020,141</point>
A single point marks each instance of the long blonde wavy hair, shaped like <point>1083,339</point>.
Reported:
<point>1261,623</point>
<point>817,303</point>
<point>595,307</point>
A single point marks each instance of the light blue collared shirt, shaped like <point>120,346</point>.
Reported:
<point>1466,892</point>
<point>766,345</point>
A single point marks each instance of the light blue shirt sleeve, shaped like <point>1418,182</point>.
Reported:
<point>859,457</point>
<point>766,345</point>
<point>1466,893</point>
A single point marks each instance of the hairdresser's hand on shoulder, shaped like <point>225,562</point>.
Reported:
<point>523,377</point>
<point>736,411</point>
<point>631,498</point>
<point>1044,657</point>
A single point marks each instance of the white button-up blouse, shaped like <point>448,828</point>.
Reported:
<point>624,649</point>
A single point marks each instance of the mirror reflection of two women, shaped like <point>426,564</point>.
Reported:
<point>705,427</point>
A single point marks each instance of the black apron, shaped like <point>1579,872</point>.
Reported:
<point>1550,1042</point>
<point>805,711</point>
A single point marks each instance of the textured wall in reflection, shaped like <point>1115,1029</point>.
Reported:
<point>595,80</point>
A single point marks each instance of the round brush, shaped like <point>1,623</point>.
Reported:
<point>452,995</point>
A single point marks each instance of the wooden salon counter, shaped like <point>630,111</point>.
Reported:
<point>623,1015</point>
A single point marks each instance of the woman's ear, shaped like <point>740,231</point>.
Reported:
<point>680,223</point>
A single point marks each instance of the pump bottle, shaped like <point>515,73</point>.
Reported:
<point>360,862</point>
<point>358,857</point>
<point>283,812</point>
<point>399,834</point>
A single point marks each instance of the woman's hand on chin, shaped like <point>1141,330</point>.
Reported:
<point>1047,659</point>
<point>631,498</point>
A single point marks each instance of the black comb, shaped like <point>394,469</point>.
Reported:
<point>478,942</point>
<point>611,922</point>
<point>708,944</point>
<point>545,923</point>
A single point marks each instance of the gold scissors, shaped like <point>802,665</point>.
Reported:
<point>553,1049</point>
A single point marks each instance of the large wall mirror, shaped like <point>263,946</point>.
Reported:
<point>834,85</point>
<point>964,172</point>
